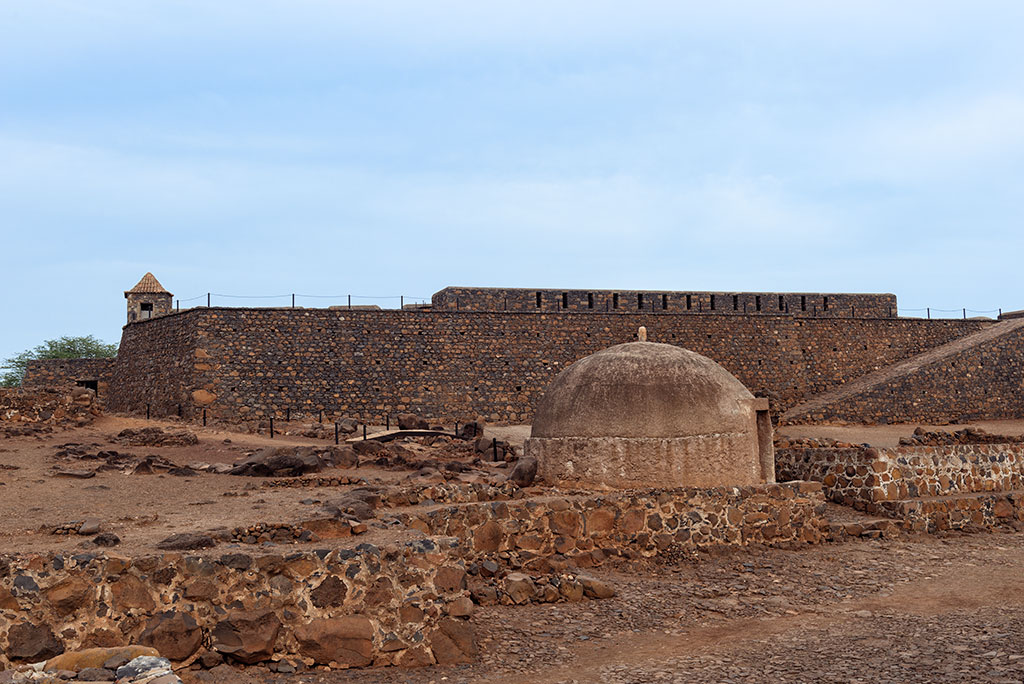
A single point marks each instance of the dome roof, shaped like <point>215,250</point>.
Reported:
<point>643,389</point>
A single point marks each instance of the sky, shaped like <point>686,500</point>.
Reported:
<point>392,148</point>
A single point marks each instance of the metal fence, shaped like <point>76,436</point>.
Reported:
<point>296,300</point>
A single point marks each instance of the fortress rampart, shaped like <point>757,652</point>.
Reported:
<point>248,363</point>
<point>834,305</point>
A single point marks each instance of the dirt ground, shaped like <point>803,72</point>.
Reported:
<point>144,509</point>
<point>916,608</point>
<point>889,435</point>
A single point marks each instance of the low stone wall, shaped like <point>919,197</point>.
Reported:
<point>404,604</point>
<point>642,522</point>
<point>43,407</point>
<point>929,487</point>
<point>67,372</point>
<point>361,607</point>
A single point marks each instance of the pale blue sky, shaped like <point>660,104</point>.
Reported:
<point>391,148</point>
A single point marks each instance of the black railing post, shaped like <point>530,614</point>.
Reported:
<point>335,432</point>
<point>147,411</point>
<point>204,417</point>
<point>178,306</point>
<point>271,427</point>
<point>494,448</point>
<point>929,310</point>
<point>350,302</point>
<point>364,432</point>
<point>401,302</point>
<point>293,300</point>
<point>387,421</point>
<point>207,300</point>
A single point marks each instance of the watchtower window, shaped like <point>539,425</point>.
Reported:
<point>735,302</point>
<point>538,300</point>
<point>689,302</point>
<point>639,301</point>
<point>712,302</point>
<point>782,303</point>
<point>757,302</point>
<point>664,301</point>
<point>825,303</point>
<point>147,309</point>
<point>803,302</point>
<point>615,300</point>
<point>565,300</point>
<point>590,300</point>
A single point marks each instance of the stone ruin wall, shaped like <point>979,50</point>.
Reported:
<point>156,365</point>
<point>67,372</point>
<point>831,305</point>
<point>928,487</point>
<point>402,604</point>
<point>984,382</point>
<point>246,363</point>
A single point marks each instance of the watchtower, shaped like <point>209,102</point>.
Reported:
<point>147,299</point>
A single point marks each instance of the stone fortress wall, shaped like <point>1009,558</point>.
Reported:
<point>246,363</point>
<point>57,372</point>
<point>836,305</point>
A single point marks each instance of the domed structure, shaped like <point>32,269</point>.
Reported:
<point>651,415</point>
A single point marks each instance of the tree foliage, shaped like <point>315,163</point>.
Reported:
<point>87,347</point>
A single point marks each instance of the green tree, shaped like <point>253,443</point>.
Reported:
<point>87,347</point>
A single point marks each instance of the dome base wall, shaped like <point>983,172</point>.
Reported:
<point>714,460</point>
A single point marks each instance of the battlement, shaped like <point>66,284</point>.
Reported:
<point>817,304</point>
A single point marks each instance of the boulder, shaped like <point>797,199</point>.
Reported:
<point>471,430</point>
<point>453,642</point>
<point>149,665</point>
<point>280,462</point>
<point>595,588</point>
<point>247,637</point>
<point>26,641</point>
<point>344,640</point>
<point>175,635</point>
<point>347,425</point>
<point>369,447</point>
<point>186,541</point>
<point>97,658</point>
<point>359,503</point>
<point>524,472</point>
<point>410,421</point>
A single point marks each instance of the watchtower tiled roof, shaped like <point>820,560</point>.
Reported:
<point>148,285</point>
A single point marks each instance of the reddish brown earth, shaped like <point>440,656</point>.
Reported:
<point>917,608</point>
<point>144,509</point>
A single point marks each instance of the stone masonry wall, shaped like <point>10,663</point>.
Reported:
<point>156,365</point>
<point>645,522</point>
<point>402,604</point>
<point>367,606</point>
<point>841,305</point>
<point>927,487</point>
<point>64,372</point>
<point>243,363</point>
<point>984,382</point>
